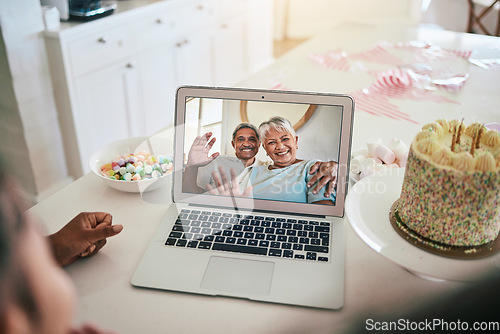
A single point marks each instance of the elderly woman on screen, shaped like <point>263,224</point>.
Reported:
<point>285,179</point>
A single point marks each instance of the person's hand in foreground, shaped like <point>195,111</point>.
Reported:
<point>83,236</point>
<point>198,153</point>
<point>326,174</point>
<point>224,187</point>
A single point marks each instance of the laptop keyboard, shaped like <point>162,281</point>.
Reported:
<point>252,234</point>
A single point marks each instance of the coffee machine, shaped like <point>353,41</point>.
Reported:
<point>89,9</point>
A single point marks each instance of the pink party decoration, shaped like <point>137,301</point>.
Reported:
<point>435,54</point>
<point>487,64</point>
<point>278,86</point>
<point>416,79</point>
<point>332,59</point>
<point>378,54</point>
<point>453,84</point>
<point>393,84</point>
<point>393,81</point>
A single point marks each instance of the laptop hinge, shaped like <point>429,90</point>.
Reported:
<point>257,210</point>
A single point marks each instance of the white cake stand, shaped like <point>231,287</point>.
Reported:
<point>367,209</point>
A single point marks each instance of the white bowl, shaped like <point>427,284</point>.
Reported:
<point>155,145</point>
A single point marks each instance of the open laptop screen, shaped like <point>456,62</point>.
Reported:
<point>225,162</point>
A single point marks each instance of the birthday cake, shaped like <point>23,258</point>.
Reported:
<point>450,198</point>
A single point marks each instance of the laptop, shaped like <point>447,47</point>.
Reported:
<point>279,249</point>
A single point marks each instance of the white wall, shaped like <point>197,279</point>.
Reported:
<point>30,138</point>
<point>453,15</point>
<point>303,19</point>
<point>296,19</point>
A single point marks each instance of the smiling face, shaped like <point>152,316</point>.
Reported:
<point>281,147</point>
<point>246,145</point>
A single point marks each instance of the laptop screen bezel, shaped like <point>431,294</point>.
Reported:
<point>344,101</point>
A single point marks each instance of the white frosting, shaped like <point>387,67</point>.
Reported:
<point>436,127</point>
<point>428,146</point>
<point>463,161</point>
<point>444,124</point>
<point>443,157</point>
<point>438,147</point>
<point>491,138</point>
<point>485,162</point>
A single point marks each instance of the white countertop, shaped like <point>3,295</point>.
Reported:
<point>126,12</point>
<point>373,283</point>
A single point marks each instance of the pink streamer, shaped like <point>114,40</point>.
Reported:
<point>393,84</point>
<point>453,84</point>
<point>332,60</point>
<point>488,64</point>
<point>378,54</point>
<point>278,86</point>
<point>379,105</point>
<point>415,81</point>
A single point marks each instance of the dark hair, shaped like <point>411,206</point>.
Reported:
<point>245,126</point>
<point>14,285</point>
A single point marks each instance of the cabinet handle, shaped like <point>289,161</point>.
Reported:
<point>159,21</point>
<point>129,65</point>
<point>181,43</point>
<point>200,7</point>
<point>103,39</point>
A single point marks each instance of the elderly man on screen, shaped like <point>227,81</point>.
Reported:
<point>246,142</point>
<point>286,179</point>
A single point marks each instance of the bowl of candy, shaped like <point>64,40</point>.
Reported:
<point>136,164</point>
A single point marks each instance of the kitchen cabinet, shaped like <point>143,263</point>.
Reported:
<point>260,34</point>
<point>186,60</point>
<point>193,57</point>
<point>106,105</point>
<point>243,38</point>
<point>116,77</point>
<point>159,80</point>
<point>230,56</point>
<point>156,36</point>
<point>95,81</point>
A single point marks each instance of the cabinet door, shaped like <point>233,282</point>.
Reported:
<point>106,108</point>
<point>231,40</point>
<point>158,86</point>
<point>260,35</point>
<point>194,59</point>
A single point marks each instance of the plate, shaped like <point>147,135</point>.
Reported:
<point>367,210</point>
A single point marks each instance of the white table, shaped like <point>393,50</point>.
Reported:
<point>373,283</point>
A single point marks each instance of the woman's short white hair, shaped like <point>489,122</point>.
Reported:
<point>278,123</point>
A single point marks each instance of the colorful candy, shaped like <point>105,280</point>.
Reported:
<point>135,167</point>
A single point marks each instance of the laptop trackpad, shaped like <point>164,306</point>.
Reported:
<point>238,276</point>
